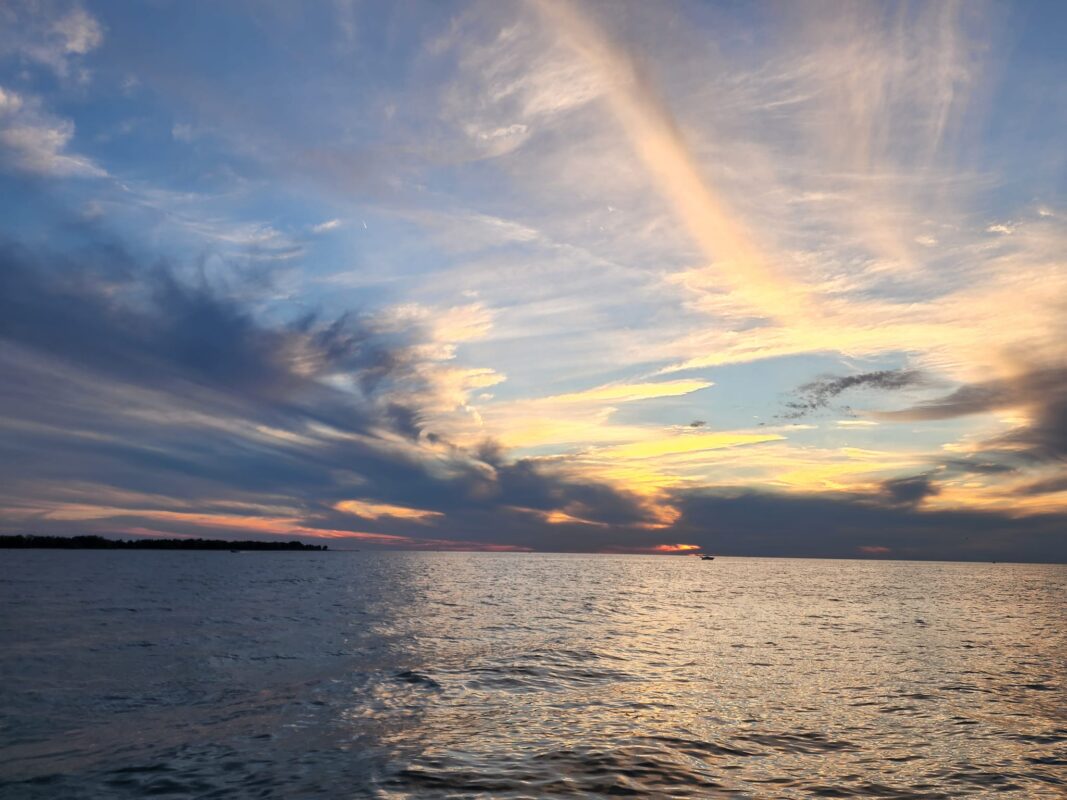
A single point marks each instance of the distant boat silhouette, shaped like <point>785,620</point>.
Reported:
<point>707,558</point>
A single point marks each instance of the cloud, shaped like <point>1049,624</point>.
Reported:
<point>627,393</point>
<point>447,325</point>
<point>942,321</point>
<point>55,35</point>
<point>515,81</point>
<point>873,550</point>
<point>327,226</point>
<point>627,456</point>
<point>640,195</point>
<point>184,335</point>
<point>186,408</point>
<point>975,466</point>
<point>1031,452</point>
<point>78,32</point>
<point>687,443</point>
<point>468,231</point>
<point>817,394</point>
<point>31,140</point>
<point>909,491</point>
<point>659,549</point>
<point>746,522</point>
<point>184,217</point>
<point>1039,392</point>
<point>370,510</point>
<point>10,102</point>
<point>657,138</point>
<point>142,403</point>
<point>182,132</point>
<point>1049,486</point>
<point>1039,386</point>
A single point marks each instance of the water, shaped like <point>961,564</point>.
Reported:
<point>350,675</point>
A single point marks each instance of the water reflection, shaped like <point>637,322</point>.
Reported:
<point>499,675</point>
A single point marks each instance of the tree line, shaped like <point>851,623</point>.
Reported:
<point>100,543</point>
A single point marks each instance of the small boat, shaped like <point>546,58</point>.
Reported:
<point>707,558</point>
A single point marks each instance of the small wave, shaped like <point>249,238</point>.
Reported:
<point>810,742</point>
<point>569,772</point>
<point>416,679</point>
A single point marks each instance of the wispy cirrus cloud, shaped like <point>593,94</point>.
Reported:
<point>657,139</point>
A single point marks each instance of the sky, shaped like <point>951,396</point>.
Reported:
<point>746,278</point>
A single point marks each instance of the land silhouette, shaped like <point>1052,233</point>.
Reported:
<point>100,543</point>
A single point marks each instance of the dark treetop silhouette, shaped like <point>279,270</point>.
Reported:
<point>100,543</point>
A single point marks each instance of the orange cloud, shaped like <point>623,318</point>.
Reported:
<point>263,525</point>
<point>675,548</point>
<point>874,550</point>
<point>686,443</point>
<point>656,137</point>
<point>661,549</point>
<point>368,510</point>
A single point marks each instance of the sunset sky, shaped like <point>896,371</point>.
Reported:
<point>751,278</point>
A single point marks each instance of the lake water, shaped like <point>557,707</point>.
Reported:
<point>424,675</point>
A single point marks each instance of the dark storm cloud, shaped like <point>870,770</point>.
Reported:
<point>1045,437</point>
<point>818,526</point>
<point>155,396</point>
<point>818,394</point>
<point>1049,486</point>
<point>976,466</point>
<point>103,313</point>
<point>1042,392</point>
<point>1040,442</point>
<point>124,379</point>
<point>973,399</point>
<point>527,483</point>
<point>909,491</point>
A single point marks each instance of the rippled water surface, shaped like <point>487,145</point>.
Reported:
<point>426,675</point>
